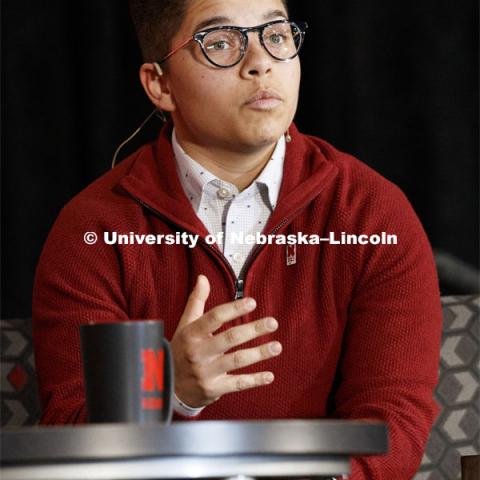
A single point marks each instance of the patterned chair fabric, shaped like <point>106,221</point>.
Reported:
<point>19,396</point>
<point>455,434</point>
<point>456,431</point>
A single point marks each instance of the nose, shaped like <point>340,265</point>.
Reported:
<point>257,61</point>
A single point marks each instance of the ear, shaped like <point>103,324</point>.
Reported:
<point>155,84</point>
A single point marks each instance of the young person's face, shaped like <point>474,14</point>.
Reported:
<point>212,105</point>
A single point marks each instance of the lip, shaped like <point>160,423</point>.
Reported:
<point>264,99</point>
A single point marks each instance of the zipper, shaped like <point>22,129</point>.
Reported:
<point>238,288</point>
<point>256,250</point>
<point>239,282</point>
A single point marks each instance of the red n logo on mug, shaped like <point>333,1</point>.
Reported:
<point>152,381</point>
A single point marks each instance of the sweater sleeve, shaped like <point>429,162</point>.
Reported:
<point>390,360</point>
<point>75,284</point>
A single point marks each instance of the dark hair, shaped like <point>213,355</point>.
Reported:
<point>156,22</point>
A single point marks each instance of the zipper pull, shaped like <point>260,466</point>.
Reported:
<point>238,289</point>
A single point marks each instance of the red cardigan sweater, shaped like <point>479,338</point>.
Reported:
<point>360,324</point>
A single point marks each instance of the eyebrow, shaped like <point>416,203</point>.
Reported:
<point>210,22</point>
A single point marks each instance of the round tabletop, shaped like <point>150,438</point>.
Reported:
<point>205,449</point>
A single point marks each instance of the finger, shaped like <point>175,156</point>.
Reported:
<point>238,335</point>
<point>238,383</point>
<point>196,302</point>
<point>221,314</point>
<point>244,358</point>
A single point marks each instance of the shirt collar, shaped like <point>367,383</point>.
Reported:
<point>194,178</point>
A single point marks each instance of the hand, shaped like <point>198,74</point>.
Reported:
<point>200,358</point>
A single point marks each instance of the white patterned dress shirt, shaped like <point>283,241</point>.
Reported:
<point>222,208</point>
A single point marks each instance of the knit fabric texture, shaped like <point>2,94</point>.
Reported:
<point>360,324</point>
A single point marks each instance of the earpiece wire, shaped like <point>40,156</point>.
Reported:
<point>157,112</point>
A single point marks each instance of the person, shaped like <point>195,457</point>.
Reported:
<point>308,321</point>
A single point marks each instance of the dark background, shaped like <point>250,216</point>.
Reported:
<point>394,83</point>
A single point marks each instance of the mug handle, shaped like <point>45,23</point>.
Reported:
<point>169,382</point>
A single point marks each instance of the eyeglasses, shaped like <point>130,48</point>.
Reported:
<point>226,46</point>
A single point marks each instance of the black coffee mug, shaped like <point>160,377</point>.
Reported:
<point>128,372</point>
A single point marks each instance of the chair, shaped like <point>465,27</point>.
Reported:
<point>455,433</point>
<point>19,397</point>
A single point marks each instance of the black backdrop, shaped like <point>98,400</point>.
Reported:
<point>394,83</point>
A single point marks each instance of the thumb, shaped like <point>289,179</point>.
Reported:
<point>196,302</point>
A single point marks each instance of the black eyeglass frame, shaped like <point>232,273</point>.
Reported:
<point>200,36</point>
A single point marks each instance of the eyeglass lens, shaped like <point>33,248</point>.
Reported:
<point>226,47</point>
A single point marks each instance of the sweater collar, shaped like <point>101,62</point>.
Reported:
<point>152,179</point>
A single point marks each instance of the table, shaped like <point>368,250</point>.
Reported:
<point>203,449</point>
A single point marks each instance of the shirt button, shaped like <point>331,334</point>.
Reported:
<point>224,193</point>
<point>238,257</point>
